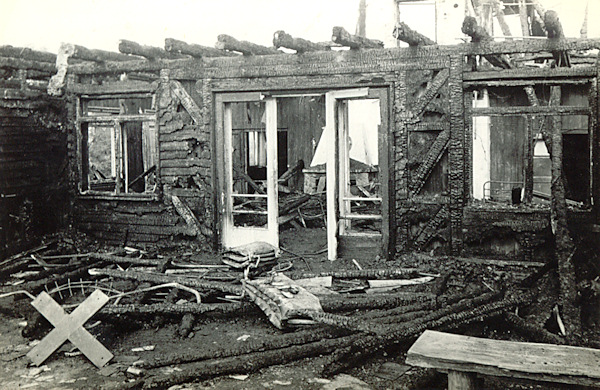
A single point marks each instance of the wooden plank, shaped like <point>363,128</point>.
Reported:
<point>187,102</point>
<point>70,325</point>
<point>533,361</point>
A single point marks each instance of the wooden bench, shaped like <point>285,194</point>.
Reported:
<point>464,357</point>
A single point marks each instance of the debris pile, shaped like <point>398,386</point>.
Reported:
<point>347,315</point>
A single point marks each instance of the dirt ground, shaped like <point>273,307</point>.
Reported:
<point>68,369</point>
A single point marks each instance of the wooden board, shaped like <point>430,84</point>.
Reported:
<point>69,327</point>
<point>533,361</point>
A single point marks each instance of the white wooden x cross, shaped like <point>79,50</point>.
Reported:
<point>70,327</point>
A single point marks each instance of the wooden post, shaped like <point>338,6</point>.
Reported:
<point>558,218</point>
<point>458,380</point>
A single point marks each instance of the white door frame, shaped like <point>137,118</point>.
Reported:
<point>332,116</point>
<point>231,235</point>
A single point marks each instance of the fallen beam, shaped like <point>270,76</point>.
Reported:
<point>226,42</point>
<point>251,345</point>
<point>160,279</point>
<point>283,39</point>
<point>341,36</point>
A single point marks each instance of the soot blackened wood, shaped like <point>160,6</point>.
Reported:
<point>283,39</point>
<point>478,34</point>
<point>555,31</point>
<point>344,38</point>
<point>565,247</point>
<point>160,279</point>
<point>197,51</point>
<point>406,34</point>
<point>226,42</point>
<point>251,345</point>
<point>149,52</point>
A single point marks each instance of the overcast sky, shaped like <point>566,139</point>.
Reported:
<point>99,24</point>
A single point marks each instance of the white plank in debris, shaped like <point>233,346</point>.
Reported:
<point>533,361</point>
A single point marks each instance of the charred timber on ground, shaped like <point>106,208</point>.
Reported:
<point>160,279</point>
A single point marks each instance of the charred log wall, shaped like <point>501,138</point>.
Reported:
<point>33,166</point>
<point>430,161</point>
<point>184,170</point>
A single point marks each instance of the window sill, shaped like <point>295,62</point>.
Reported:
<point>98,195</point>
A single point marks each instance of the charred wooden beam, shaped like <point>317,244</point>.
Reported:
<point>250,346</point>
<point>532,331</point>
<point>431,228</point>
<point>36,286</point>
<point>83,53</point>
<point>226,42</point>
<point>128,66</point>
<point>160,279</point>
<point>27,54</point>
<point>478,34</point>
<point>172,309</point>
<point>340,36</point>
<point>283,39</point>
<point>451,317</point>
<point>555,31</point>
<point>299,166</point>
<point>149,52</point>
<point>247,363</point>
<point>109,258</point>
<point>379,301</point>
<point>565,248</point>
<point>434,155</point>
<point>390,273</point>
<point>196,51</point>
<point>406,34</point>
<point>19,63</point>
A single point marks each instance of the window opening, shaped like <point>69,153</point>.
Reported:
<point>119,146</point>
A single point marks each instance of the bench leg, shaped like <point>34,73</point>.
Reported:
<point>458,380</point>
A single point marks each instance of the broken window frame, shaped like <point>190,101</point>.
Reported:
<point>533,114</point>
<point>122,181</point>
